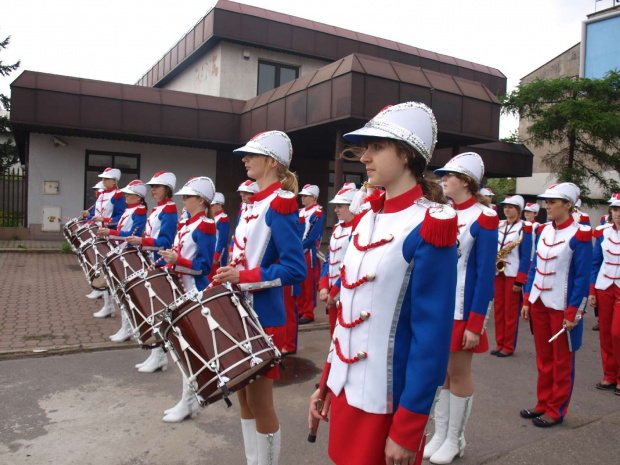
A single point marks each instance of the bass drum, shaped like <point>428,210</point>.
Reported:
<point>215,338</point>
<point>146,297</point>
<point>121,263</point>
<point>93,259</point>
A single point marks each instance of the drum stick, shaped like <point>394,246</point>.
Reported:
<point>319,404</point>
<point>557,335</point>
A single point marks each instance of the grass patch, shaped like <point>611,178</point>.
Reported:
<point>66,248</point>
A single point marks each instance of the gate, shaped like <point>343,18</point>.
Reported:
<point>13,191</point>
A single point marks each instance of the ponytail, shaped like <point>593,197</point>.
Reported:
<point>288,179</point>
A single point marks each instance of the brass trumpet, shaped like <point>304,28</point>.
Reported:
<point>500,264</point>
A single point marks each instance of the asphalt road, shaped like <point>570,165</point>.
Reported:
<point>95,408</point>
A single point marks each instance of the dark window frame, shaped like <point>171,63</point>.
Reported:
<point>88,167</point>
<point>278,67</point>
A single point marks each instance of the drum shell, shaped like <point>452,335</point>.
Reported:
<point>83,234</point>
<point>118,273</point>
<point>93,258</point>
<point>141,307</point>
<point>235,363</point>
<point>71,227</point>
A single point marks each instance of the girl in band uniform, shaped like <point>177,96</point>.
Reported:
<point>266,256</point>
<point>477,240</point>
<point>108,209</point>
<point>391,343</point>
<point>555,296</point>
<point>161,227</point>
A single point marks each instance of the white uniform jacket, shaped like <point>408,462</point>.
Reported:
<point>518,260</point>
<point>338,244</point>
<point>606,259</point>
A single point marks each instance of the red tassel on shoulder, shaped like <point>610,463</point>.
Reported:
<point>440,226</point>
<point>170,208</point>
<point>584,234</point>
<point>598,232</point>
<point>540,229</point>
<point>141,210</point>
<point>285,203</point>
<point>207,227</point>
<point>118,195</point>
<point>318,213</point>
<point>488,220</point>
<point>223,219</point>
<point>527,228</point>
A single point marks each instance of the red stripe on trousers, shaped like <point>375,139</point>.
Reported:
<point>290,340</point>
<point>306,301</point>
<point>507,311</point>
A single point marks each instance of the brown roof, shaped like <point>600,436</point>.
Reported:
<point>259,27</point>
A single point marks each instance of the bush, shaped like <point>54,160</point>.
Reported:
<point>66,248</point>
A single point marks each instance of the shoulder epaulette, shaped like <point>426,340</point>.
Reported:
<point>284,203</point>
<point>318,212</point>
<point>527,227</point>
<point>118,195</point>
<point>207,226</point>
<point>223,218</point>
<point>440,226</point>
<point>488,219</point>
<point>170,208</point>
<point>140,210</point>
<point>584,234</point>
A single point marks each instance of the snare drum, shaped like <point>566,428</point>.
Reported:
<point>71,227</point>
<point>93,258</point>
<point>83,234</point>
<point>120,264</point>
<point>215,338</point>
<point>146,296</point>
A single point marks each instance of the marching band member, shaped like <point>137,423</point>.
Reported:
<point>605,295</point>
<point>311,216</point>
<point>96,294</point>
<point>246,190</point>
<point>267,255</point>
<point>530,212</point>
<point>191,257</point>
<point>109,207</point>
<point>132,222</point>
<point>159,233</point>
<point>555,295</point>
<point>390,348</point>
<point>477,241</point>
<point>579,216</point>
<point>488,195</point>
<point>515,248</point>
<point>329,285</point>
<point>223,231</point>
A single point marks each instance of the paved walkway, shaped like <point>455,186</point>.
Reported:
<point>31,246</point>
<point>43,308</point>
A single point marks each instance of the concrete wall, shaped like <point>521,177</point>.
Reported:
<point>224,72</point>
<point>203,77</point>
<point>67,164</point>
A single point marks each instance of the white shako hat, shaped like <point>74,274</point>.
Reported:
<point>136,187</point>
<point>566,191</point>
<point>410,122</point>
<point>310,189</point>
<point>98,186</point>
<point>248,186</point>
<point>164,178</point>
<point>468,163</point>
<point>218,198</point>
<point>614,198</point>
<point>201,186</point>
<point>274,144</point>
<point>111,173</point>
<point>515,200</point>
<point>578,203</point>
<point>486,191</point>
<point>345,194</point>
<point>532,207</point>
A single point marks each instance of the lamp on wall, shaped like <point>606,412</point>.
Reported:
<point>246,54</point>
<point>58,142</point>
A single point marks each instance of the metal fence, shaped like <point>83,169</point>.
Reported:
<point>13,191</point>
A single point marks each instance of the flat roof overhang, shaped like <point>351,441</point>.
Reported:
<point>245,24</point>
<point>313,110</point>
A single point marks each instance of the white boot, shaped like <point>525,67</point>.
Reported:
<point>250,441</point>
<point>159,360</point>
<point>454,445</point>
<point>124,333</point>
<point>442,415</point>
<point>188,407</point>
<point>269,447</point>
<point>95,294</point>
<point>151,355</point>
<point>108,308</point>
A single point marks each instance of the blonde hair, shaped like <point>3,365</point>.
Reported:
<point>474,189</point>
<point>287,178</point>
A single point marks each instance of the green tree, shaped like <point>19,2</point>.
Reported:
<point>580,119</point>
<point>8,151</point>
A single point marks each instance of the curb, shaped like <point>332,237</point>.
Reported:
<point>24,250</point>
<point>39,352</point>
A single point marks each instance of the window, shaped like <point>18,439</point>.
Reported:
<point>96,162</point>
<point>272,75</point>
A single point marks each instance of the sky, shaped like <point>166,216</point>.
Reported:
<point>119,40</point>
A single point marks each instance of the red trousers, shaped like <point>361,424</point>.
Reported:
<point>507,310</point>
<point>307,300</point>
<point>292,320</point>
<point>609,331</point>
<point>556,364</point>
<point>332,312</point>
